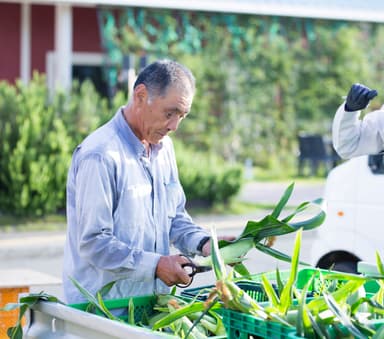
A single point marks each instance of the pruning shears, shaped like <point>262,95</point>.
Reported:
<point>191,268</point>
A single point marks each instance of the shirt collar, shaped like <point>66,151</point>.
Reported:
<point>130,138</point>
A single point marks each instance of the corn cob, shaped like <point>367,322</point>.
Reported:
<point>231,253</point>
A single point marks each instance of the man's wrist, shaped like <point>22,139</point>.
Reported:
<point>202,242</point>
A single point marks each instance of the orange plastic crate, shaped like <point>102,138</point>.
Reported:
<point>9,318</point>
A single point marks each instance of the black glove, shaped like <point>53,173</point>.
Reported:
<point>358,97</point>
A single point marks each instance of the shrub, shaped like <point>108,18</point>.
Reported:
<point>39,133</point>
<point>35,150</point>
<point>207,178</point>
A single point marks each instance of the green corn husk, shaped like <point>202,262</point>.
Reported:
<point>196,311</point>
<point>256,233</point>
<point>231,254</point>
<point>237,299</point>
<point>232,296</point>
<point>186,328</point>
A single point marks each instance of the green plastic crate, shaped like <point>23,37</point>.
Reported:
<point>317,285</point>
<point>253,289</point>
<point>303,276</point>
<point>143,310</point>
<point>199,293</point>
<point>143,307</point>
<point>341,331</point>
<point>242,326</point>
<point>271,276</point>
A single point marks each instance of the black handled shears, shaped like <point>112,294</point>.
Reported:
<point>192,269</point>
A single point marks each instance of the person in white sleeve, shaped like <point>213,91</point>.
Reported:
<point>353,136</point>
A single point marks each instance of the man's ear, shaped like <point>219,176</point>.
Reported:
<point>140,94</point>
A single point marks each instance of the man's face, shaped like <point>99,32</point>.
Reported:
<point>162,115</point>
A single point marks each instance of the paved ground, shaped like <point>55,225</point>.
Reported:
<point>270,192</point>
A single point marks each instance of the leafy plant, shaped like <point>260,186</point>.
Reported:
<point>330,312</point>
<point>334,310</point>
<point>172,313</point>
<point>257,233</point>
<point>207,178</point>
<point>187,319</point>
<point>35,150</point>
<point>96,302</point>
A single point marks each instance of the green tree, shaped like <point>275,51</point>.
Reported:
<point>35,150</point>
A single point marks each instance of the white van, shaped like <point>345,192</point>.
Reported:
<point>354,227</point>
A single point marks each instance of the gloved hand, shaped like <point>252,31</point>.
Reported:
<point>358,97</point>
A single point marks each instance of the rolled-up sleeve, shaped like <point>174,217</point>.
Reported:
<point>185,234</point>
<point>353,137</point>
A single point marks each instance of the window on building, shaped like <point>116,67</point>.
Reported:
<point>93,73</point>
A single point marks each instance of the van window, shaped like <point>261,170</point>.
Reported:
<point>376,163</point>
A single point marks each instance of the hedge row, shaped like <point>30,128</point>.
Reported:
<point>38,132</point>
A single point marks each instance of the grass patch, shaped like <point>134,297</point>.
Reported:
<point>54,222</point>
<point>233,208</point>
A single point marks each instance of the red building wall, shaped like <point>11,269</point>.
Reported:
<point>42,35</point>
<point>86,37</point>
<point>9,41</point>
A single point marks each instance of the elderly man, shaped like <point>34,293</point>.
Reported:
<point>125,204</point>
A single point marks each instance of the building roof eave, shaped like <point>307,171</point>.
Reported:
<point>369,10</point>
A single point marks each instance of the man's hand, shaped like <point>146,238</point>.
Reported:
<point>206,250</point>
<point>359,97</point>
<point>169,270</point>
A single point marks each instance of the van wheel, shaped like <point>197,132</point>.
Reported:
<point>345,266</point>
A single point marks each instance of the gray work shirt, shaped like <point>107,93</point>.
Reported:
<point>124,211</point>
